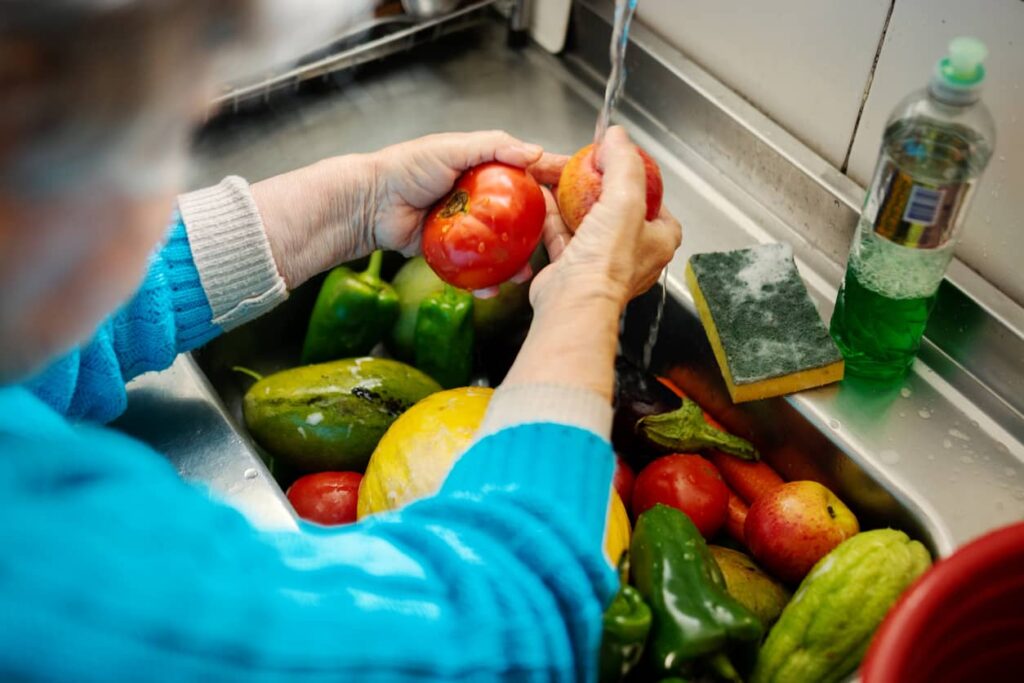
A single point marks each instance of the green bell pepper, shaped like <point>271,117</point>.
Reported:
<point>626,624</point>
<point>444,337</point>
<point>351,315</point>
<point>697,627</point>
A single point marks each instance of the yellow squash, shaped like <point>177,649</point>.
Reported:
<point>415,454</point>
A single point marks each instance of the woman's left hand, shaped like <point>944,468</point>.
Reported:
<point>345,207</point>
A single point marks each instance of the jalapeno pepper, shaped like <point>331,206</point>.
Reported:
<point>352,314</point>
<point>696,626</point>
<point>444,337</point>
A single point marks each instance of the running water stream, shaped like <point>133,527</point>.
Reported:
<point>624,11</point>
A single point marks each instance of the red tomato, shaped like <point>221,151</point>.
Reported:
<point>688,483</point>
<point>485,231</point>
<point>326,497</point>
<point>623,480</point>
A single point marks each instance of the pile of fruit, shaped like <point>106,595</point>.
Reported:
<point>729,573</point>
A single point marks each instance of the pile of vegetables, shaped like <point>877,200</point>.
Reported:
<point>729,573</point>
<point>797,594</point>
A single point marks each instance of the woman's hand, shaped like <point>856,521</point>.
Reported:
<point>579,298</point>
<point>615,253</point>
<point>410,177</point>
<point>345,207</point>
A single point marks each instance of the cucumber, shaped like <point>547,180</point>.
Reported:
<point>330,416</point>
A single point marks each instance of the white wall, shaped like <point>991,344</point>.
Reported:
<point>920,30</point>
<point>806,63</point>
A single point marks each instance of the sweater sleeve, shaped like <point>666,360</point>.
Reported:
<point>214,272</point>
<point>498,577</point>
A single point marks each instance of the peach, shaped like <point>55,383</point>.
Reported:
<point>580,187</point>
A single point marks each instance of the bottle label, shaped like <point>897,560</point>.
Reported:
<point>912,213</point>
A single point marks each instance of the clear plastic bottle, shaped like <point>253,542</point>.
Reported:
<point>936,144</point>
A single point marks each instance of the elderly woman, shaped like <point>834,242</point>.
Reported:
<point>115,569</point>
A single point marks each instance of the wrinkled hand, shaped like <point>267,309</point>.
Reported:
<point>615,253</point>
<point>408,178</point>
<point>344,207</point>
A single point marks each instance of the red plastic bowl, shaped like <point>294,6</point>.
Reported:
<point>961,622</point>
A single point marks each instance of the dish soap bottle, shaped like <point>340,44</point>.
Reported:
<point>936,144</point>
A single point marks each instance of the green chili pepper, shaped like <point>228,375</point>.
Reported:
<point>444,337</point>
<point>697,627</point>
<point>352,314</point>
<point>626,624</point>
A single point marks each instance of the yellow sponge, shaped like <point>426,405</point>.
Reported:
<point>765,331</point>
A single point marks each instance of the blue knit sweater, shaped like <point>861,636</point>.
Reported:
<point>114,569</point>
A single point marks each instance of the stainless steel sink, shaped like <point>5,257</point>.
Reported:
<point>940,455</point>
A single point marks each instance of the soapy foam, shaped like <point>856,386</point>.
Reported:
<point>766,269</point>
<point>895,271</point>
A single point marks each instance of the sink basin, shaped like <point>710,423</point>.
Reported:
<point>787,440</point>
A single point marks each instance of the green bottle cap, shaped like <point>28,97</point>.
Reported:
<point>959,75</point>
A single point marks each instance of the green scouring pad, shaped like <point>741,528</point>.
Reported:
<point>766,333</point>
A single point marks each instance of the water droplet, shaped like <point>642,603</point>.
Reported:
<point>250,473</point>
<point>957,434</point>
<point>1000,446</point>
<point>946,443</point>
<point>952,480</point>
<point>905,392</point>
<point>889,457</point>
<point>931,456</point>
<point>834,424</point>
<point>1010,472</point>
<point>924,414</point>
<point>1002,157</point>
<point>956,470</point>
<point>966,459</point>
<point>974,423</point>
<point>902,414</point>
<point>1019,494</point>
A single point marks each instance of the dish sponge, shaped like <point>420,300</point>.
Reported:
<point>766,333</point>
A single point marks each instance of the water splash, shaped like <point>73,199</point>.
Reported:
<point>624,11</point>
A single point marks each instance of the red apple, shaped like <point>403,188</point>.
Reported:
<point>579,188</point>
<point>794,525</point>
<point>623,480</point>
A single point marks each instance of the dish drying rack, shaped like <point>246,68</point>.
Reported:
<point>367,42</point>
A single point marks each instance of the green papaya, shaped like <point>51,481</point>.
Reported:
<point>752,588</point>
<point>825,629</point>
<point>330,416</point>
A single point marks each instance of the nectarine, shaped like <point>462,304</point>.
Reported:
<point>580,187</point>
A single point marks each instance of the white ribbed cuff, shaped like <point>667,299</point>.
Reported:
<point>231,252</point>
<point>561,404</point>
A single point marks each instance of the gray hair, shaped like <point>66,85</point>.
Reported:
<point>79,78</point>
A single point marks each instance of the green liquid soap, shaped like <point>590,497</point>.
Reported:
<point>936,145</point>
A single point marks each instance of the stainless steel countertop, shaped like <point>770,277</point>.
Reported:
<point>936,449</point>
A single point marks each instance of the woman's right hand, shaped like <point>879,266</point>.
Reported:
<point>615,253</point>
<point>578,299</point>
